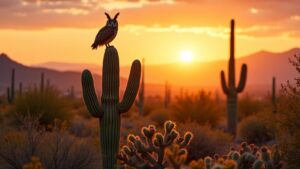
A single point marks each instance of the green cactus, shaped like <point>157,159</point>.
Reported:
<point>11,90</point>
<point>140,102</point>
<point>251,157</point>
<point>266,157</point>
<point>274,94</point>
<point>208,162</point>
<point>167,98</point>
<point>276,157</point>
<point>230,89</point>
<point>110,108</point>
<point>176,156</point>
<point>258,164</point>
<point>246,160</point>
<point>157,150</point>
<point>42,84</point>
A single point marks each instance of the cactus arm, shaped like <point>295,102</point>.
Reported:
<point>89,95</point>
<point>243,78</point>
<point>132,87</point>
<point>223,83</point>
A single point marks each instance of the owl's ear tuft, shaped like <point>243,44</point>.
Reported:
<point>116,16</point>
<point>108,17</point>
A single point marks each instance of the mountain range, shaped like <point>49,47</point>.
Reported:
<point>262,66</point>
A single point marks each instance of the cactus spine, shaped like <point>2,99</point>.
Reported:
<point>274,94</point>
<point>140,102</point>
<point>167,99</point>
<point>11,90</point>
<point>230,89</point>
<point>110,108</point>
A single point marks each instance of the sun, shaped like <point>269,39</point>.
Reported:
<point>186,56</point>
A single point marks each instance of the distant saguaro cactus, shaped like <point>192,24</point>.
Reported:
<point>11,90</point>
<point>42,84</point>
<point>110,108</point>
<point>274,94</point>
<point>71,92</point>
<point>141,99</point>
<point>167,98</point>
<point>230,89</point>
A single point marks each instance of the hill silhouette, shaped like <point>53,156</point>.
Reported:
<point>262,66</point>
<point>30,76</point>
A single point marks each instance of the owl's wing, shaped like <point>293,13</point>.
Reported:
<point>104,35</point>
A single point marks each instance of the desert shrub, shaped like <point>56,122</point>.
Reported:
<point>159,116</point>
<point>289,120</point>
<point>132,125</point>
<point>47,105</point>
<point>56,149</point>
<point>255,129</point>
<point>82,127</point>
<point>206,141</point>
<point>248,106</point>
<point>78,107</point>
<point>152,103</point>
<point>200,108</point>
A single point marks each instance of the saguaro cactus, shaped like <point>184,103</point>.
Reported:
<point>42,84</point>
<point>140,102</point>
<point>72,92</point>
<point>167,98</point>
<point>230,88</point>
<point>274,94</point>
<point>11,90</point>
<point>110,108</point>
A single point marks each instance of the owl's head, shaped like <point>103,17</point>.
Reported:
<point>112,22</point>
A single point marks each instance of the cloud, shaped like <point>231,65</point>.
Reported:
<point>125,4</point>
<point>218,32</point>
<point>255,18</point>
<point>72,11</point>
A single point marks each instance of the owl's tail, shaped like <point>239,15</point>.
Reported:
<point>94,46</point>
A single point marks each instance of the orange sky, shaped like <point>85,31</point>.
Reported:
<point>36,31</point>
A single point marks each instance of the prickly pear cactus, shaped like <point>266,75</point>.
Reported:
<point>110,108</point>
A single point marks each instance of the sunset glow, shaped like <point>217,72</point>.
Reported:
<point>186,56</point>
<point>34,31</point>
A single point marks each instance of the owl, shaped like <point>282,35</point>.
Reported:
<point>107,33</point>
